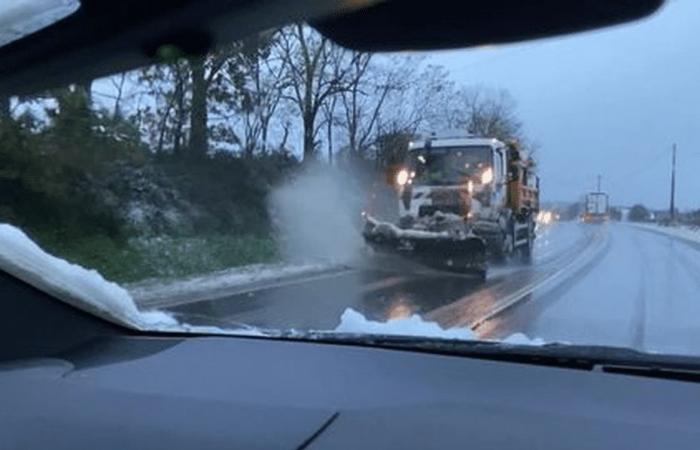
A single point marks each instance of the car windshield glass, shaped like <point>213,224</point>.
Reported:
<point>450,165</point>
<point>279,185</point>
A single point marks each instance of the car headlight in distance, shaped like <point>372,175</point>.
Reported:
<point>402,177</point>
<point>487,176</point>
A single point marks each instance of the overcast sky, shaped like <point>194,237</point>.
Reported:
<point>609,102</point>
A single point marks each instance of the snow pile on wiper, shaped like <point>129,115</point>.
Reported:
<point>83,288</point>
<point>354,322</point>
<point>521,339</point>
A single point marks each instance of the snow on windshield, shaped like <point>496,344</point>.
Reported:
<point>352,321</point>
<point>82,288</point>
<point>20,18</point>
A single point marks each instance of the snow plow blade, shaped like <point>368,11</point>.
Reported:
<point>437,250</point>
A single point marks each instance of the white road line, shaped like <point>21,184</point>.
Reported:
<point>546,281</point>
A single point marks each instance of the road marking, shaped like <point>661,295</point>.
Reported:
<point>383,284</point>
<point>547,280</point>
<point>569,262</point>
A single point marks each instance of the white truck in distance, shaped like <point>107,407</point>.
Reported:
<point>596,208</point>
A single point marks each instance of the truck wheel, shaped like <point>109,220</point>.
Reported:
<point>503,246</point>
<point>525,250</point>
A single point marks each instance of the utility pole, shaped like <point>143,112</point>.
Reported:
<point>598,188</point>
<point>673,185</point>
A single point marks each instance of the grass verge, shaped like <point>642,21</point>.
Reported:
<point>141,258</point>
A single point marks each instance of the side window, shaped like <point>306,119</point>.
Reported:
<point>498,162</point>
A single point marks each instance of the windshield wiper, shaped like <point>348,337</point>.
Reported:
<point>582,357</point>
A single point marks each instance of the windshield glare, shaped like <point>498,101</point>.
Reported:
<point>449,165</point>
<point>247,191</point>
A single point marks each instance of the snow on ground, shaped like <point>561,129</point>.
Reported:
<point>237,278</point>
<point>352,321</point>
<point>682,232</point>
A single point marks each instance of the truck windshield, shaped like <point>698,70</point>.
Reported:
<point>449,165</point>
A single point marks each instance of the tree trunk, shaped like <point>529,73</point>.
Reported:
<point>308,137</point>
<point>5,113</point>
<point>330,141</point>
<point>198,114</point>
<point>87,90</point>
<point>161,131</point>
<point>263,138</point>
<point>179,116</point>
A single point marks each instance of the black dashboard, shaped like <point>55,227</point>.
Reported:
<point>220,392</point>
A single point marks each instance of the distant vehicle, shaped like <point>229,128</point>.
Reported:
<point>596,208</point>
<point>462,200</point>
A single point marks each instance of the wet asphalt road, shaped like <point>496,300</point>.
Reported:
<point>588,284</point>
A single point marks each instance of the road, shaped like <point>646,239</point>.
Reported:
<point>609,284</point>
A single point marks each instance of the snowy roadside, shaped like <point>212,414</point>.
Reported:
<point>685,233</point>
<point>164,293</point>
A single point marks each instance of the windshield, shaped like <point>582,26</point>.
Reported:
<point>450,165</point>
<point>248,191</point>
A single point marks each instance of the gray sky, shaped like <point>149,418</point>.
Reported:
<point>609,102</point>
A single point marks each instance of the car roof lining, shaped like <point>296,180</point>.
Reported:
<point>103,38</point>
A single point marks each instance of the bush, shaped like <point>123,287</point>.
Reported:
<point>86,187</point>
<point>639,213</point>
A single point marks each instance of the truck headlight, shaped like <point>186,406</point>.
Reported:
<point>487,176</point>
<point>402,177</point>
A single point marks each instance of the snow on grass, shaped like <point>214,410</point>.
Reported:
<point>83,288</point>
<point>352,321</point>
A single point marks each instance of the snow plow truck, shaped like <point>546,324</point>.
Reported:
<point>463,202</point>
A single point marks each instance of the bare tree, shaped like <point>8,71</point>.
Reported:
<point>260,81</point>
<point>314,74</point>
<point>490,113</point>
<point>367,89</point>
<point>419,100</point>
<point>165,116</point>
<point>330,119</point>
